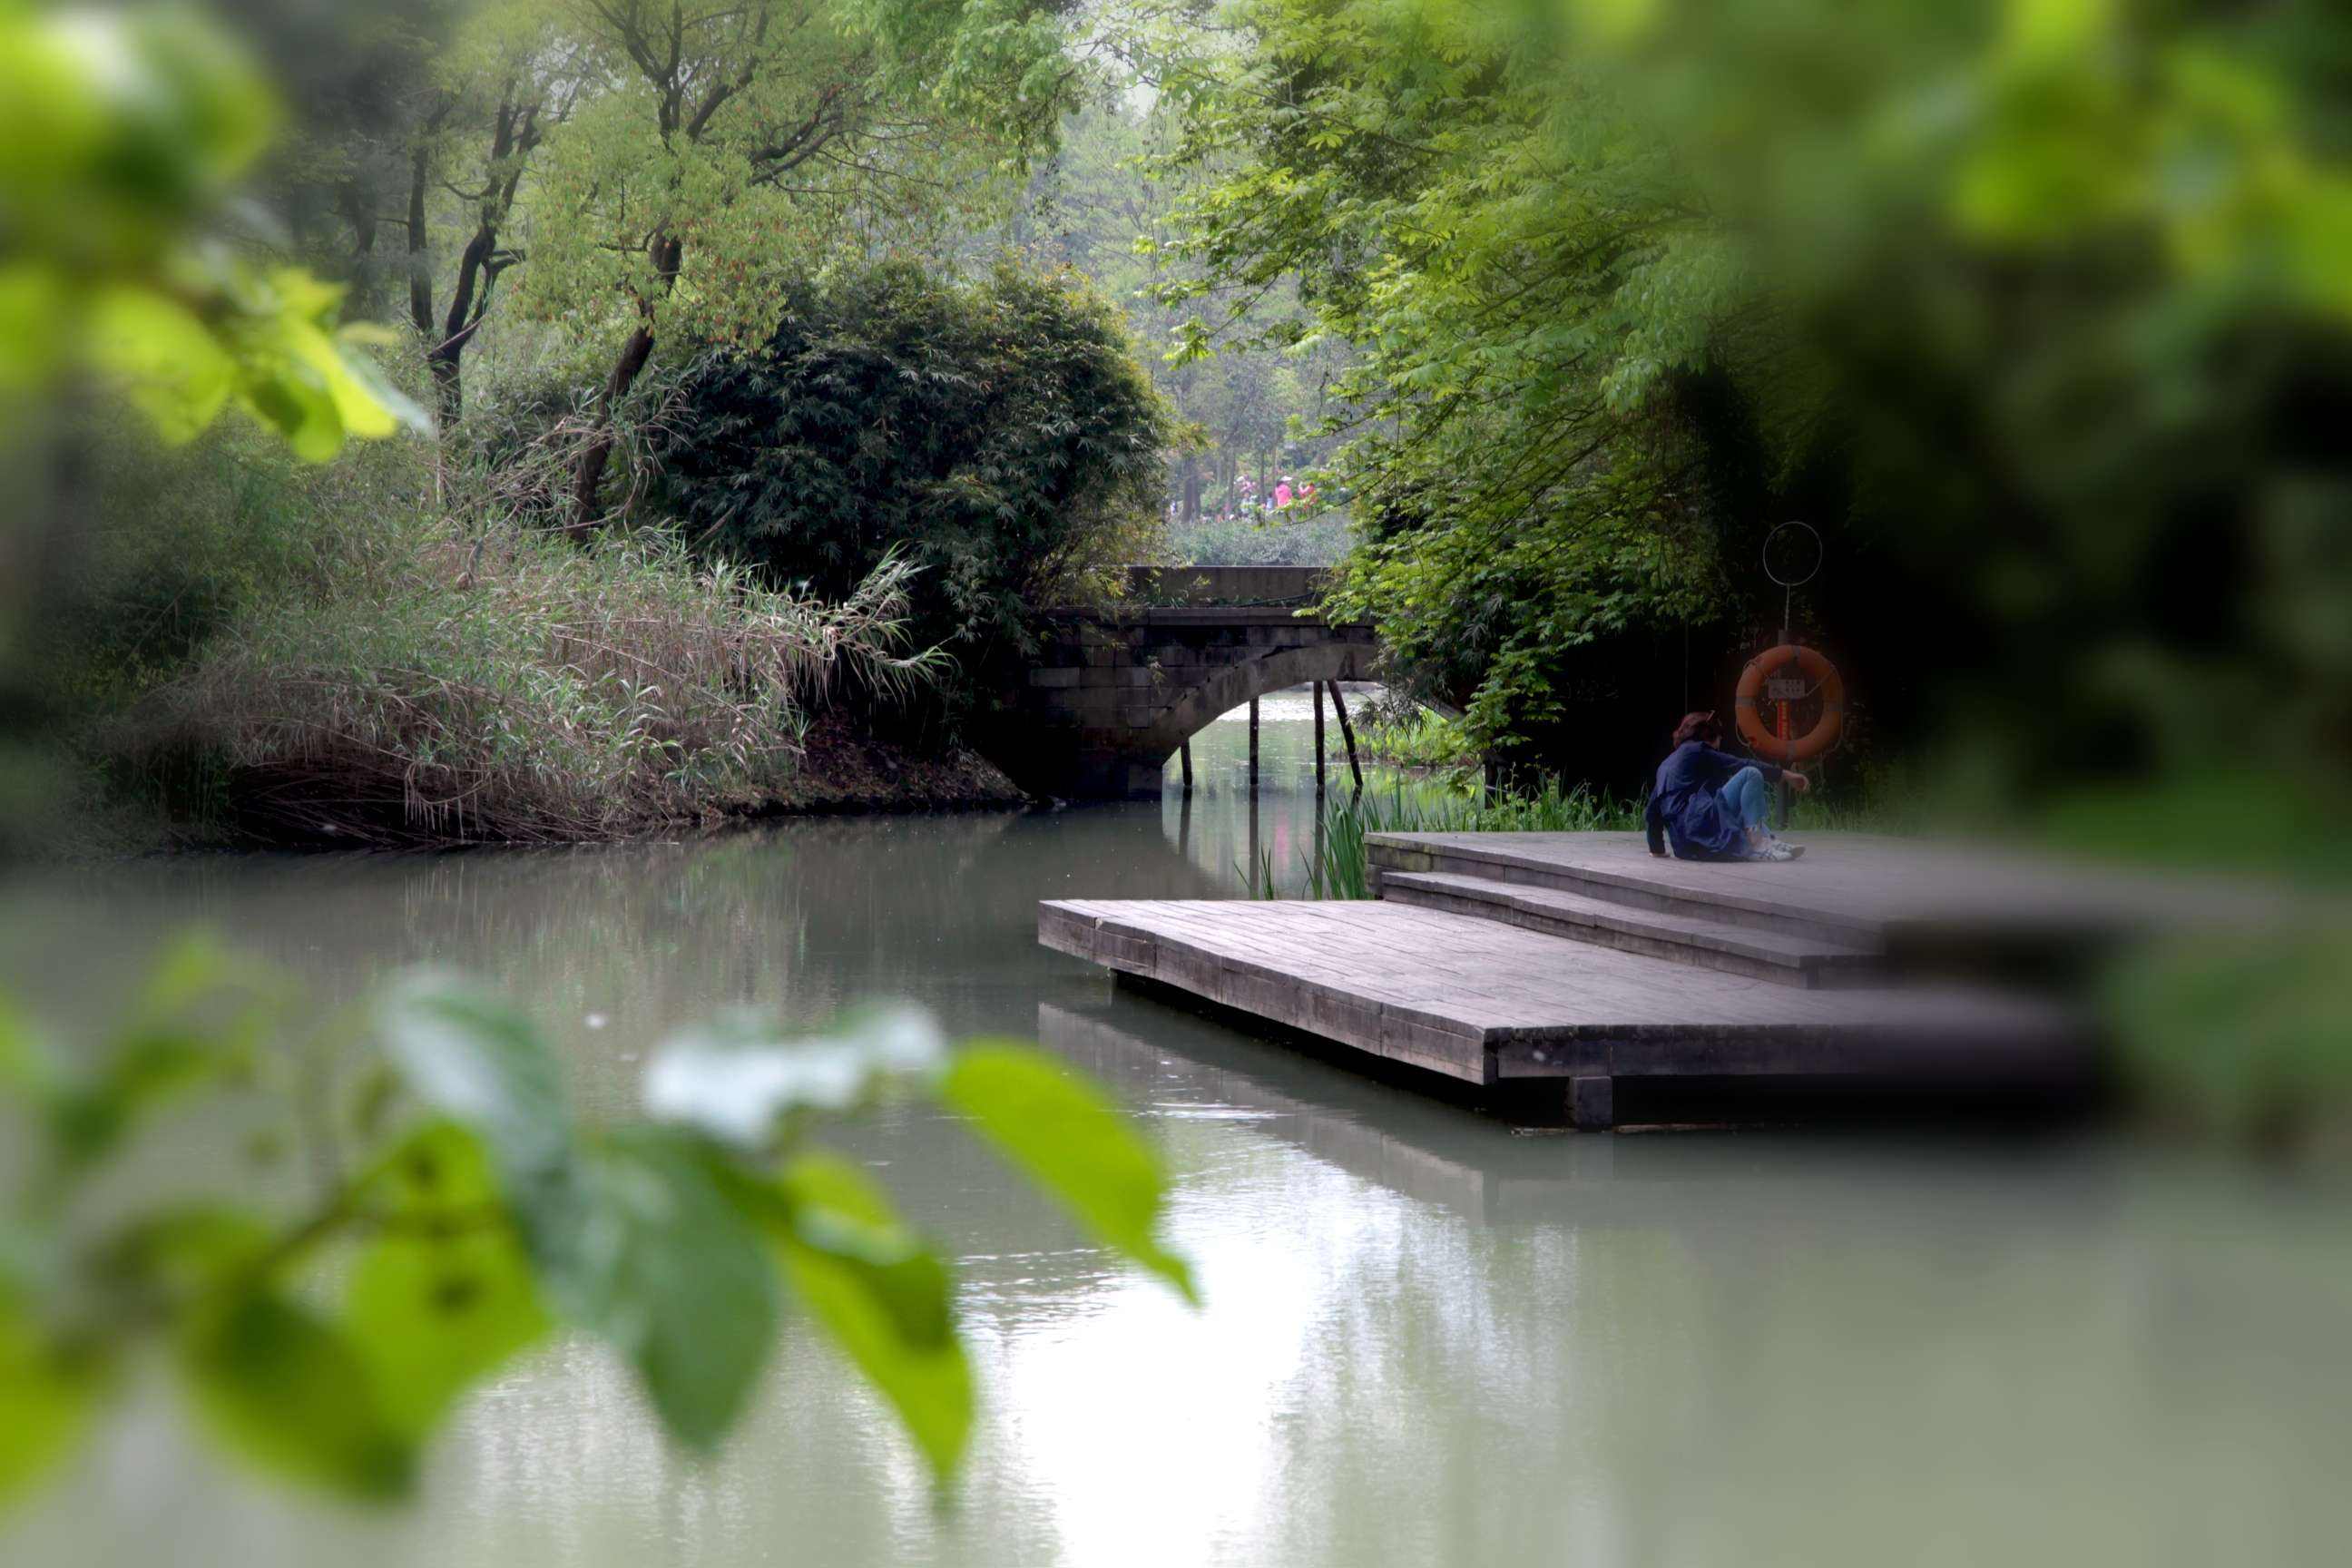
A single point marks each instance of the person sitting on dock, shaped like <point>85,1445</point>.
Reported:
<point>1711,805</point>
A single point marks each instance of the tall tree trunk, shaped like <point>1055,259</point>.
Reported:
<point>512,139</point>
<point>420,264</point>
<point>358,207</point>
<point>588,476</point>
<point>446,358</point>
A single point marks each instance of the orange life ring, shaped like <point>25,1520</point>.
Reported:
<point>1825,681</point>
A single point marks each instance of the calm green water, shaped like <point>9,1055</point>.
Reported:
<point>1427,1340</point>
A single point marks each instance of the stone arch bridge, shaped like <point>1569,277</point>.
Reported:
<point>1115,693</point>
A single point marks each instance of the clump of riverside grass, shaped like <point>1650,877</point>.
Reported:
<point>397,673</point>
<point>525,691</point>
<point>1336,866</point>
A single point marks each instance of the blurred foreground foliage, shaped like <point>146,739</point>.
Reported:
<point>2247,1039</point>
<point>122,259</point>
<point>445,1211</point>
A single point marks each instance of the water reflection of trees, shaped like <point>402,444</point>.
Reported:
<point>803,917</point>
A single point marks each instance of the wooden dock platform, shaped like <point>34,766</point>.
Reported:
<point>1499,959</point>
<point>1487,1002</point>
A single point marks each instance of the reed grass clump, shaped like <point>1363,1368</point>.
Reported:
<point>400,649</point>
<point>1336,865</point>
<point>456,684</point>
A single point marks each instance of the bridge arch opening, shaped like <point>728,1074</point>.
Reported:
<point>1234,685</point>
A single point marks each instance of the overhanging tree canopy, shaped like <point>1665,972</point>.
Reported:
<point>2039,308</point>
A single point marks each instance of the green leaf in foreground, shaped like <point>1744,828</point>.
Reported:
<point>662,1267</point>
<point>733,1080</point>
<point>480,1061</point>
<point>147,1071</point>
<point>1071,1140</point>
<point>881,1296</point>
<point>290,1391</point>
<point>444,1294</point>
<point>187,1252</point>
<point>29,1068</point>
<point>48,1396</point>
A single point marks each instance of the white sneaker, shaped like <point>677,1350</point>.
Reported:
<point>1776,850</point>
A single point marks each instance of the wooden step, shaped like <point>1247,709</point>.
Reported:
<point>1796,898</point>
<point>1780,956</point>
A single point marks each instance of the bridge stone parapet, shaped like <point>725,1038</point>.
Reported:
<point>1116,691</point>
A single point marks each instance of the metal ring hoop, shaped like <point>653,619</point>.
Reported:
<point>1767,553</point>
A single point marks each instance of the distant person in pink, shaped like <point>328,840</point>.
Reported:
<point>1282,493</point>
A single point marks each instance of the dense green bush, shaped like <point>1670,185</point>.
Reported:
<point>998,433</point>
<point>1281,540</point>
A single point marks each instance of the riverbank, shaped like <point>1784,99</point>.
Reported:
<point>843,772</point>
<point>838,773</point>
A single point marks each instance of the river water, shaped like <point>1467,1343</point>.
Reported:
<point>1427,1339</point>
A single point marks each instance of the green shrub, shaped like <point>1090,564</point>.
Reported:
<point>1281,540</point>
<point>1417,738</point>
<point>1000,433</point>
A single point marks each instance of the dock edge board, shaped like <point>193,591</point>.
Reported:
<point>1412,1036</point>
<point>1831,1032</point>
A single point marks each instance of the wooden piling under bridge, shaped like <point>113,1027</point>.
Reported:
<point>1557,968</point>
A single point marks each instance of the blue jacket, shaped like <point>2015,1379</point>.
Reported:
<point>1683,806</point>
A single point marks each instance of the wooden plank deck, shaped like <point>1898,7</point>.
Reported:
<point>1482,1002</point>
<point>1758,952</point>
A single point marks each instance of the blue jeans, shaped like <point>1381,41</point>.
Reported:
<point>1747,799</point>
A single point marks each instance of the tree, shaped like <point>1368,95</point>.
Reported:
<point>1474,215</point>
<point>509,77</point>
<point>352,83</point>
<point>421,118</point>
<point>2038,310</point>
<point>1095,205</point>
<point>736,146</point>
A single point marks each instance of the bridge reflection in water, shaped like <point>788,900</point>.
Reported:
<point>1222,825</point>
